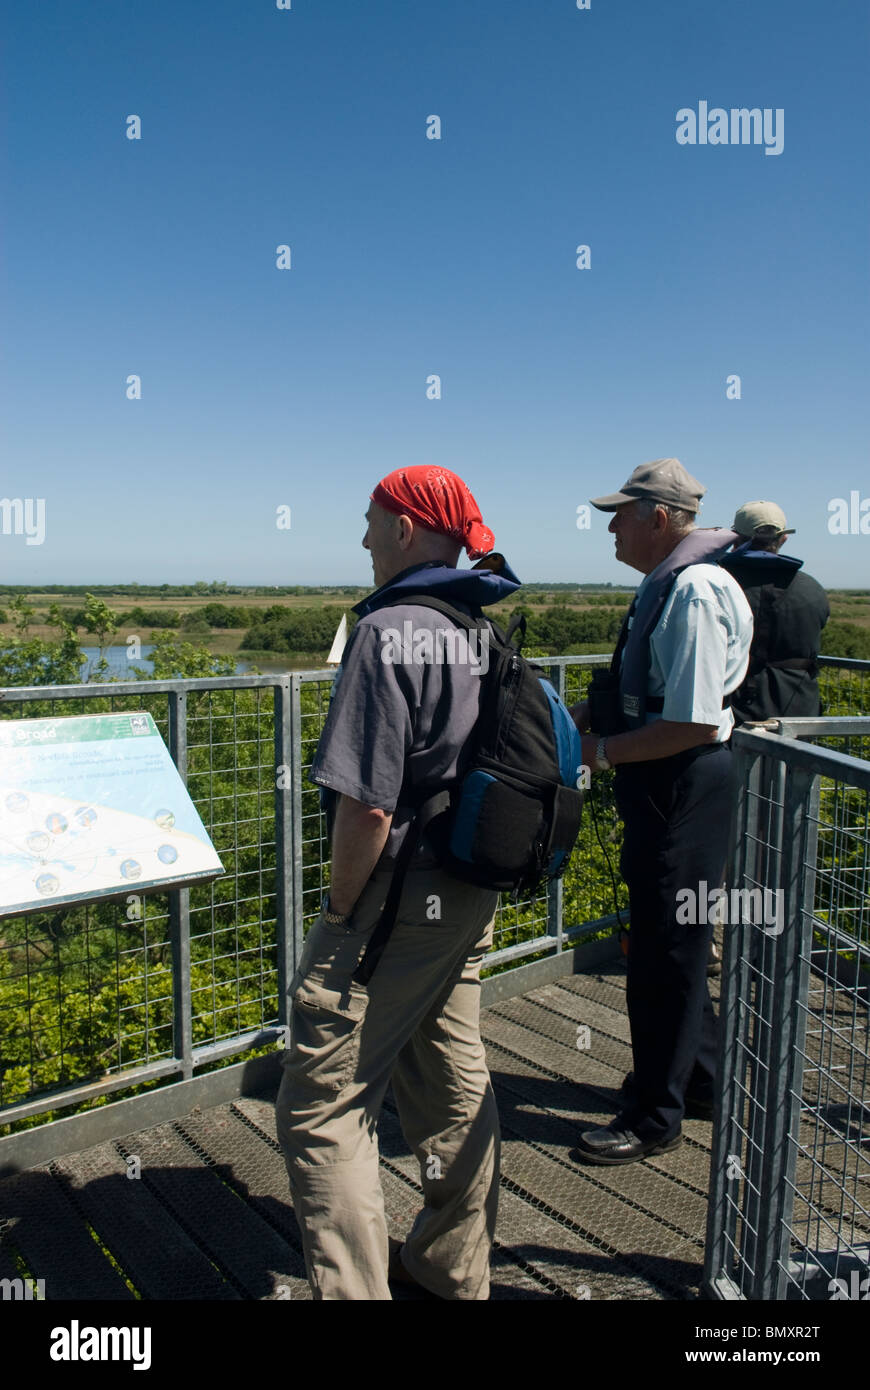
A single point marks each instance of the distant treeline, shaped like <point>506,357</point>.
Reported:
<point>576,588</point>
<point>294,630</point>
<point>219,615</point>
<point>219,588</point>
<point>210,615</point>
<point>198,590</point>
<point>555,628</point>
<point>619,598</point>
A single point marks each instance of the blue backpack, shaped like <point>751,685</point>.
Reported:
<point>514,816</point>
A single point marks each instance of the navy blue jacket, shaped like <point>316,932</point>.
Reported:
<point>789,610</point>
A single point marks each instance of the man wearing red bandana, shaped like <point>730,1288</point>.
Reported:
<point>397,724</point>
<point>440,502</point>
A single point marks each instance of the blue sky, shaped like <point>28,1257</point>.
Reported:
<point>264,388</point>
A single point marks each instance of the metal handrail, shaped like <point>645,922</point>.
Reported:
<point>778,1160</point>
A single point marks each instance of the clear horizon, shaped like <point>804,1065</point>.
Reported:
<point>340,584</point>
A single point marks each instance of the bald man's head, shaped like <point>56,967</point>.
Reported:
<point>396,542</point>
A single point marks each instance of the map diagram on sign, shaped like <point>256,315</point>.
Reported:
<point>93,806</point>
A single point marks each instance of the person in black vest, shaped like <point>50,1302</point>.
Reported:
<point>789,608</point>
<point>665,725</point>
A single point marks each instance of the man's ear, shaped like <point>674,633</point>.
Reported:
<point>404,531</point>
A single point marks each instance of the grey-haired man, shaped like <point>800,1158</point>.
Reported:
<point>682,652</point>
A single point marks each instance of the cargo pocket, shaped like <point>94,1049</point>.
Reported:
<point>325,1034</point>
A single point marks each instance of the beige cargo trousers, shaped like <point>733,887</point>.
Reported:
<point>417,1024</point>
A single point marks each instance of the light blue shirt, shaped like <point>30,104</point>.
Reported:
<point>699,649</point>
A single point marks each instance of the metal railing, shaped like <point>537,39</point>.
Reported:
<point>117,995</point>
<point>789,1213</point>
<point>109,998</point>
<point>844,685</point>
<point>112,997</point>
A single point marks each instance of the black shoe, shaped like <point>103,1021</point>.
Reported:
<point>396,1271</point>
<point>398,1274</point>
<point>698,1107</point>
<point>613,1146</point>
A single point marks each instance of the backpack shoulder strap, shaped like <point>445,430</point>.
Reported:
<point>428,803</point>
<point>478,621</point>
<point>472,623</point>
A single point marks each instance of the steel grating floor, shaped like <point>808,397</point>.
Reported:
<point>210,1217</point>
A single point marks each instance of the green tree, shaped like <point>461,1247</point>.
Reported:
<point>195,623</point>
<point>22,615</point>
<point>846,639</point>
<point>34,661</point>
<point>176,660</point>
<point>103,623</point>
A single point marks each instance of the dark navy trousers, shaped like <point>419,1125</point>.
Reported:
<point>677,813</point>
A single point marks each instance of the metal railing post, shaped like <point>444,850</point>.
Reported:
<point>295,848</point>
<point>727,1146</point>
<point>555,891</point>
<point>758,954</point>
<point>179,909</point>
<point>781,1051</point>
<point>285,784</point>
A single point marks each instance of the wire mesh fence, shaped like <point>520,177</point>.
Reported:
<point>789,1214</point>
<point>109,995</point>
<point>102,997</point>
<point>844,685</point>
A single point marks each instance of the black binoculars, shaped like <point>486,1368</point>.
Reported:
<point>605,712</point>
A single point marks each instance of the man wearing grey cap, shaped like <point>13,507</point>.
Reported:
<point>662,718</point>
<point>789,608</point>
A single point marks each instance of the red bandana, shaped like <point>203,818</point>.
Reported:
<point>438,500</point>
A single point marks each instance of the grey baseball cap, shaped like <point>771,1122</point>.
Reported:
<point>760,516</point>
<point>663,480</point>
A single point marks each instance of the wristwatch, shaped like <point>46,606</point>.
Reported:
<point>601,756</point>
<point>334,919</point>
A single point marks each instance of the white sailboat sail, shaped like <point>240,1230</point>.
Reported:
<point>338,643</point>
